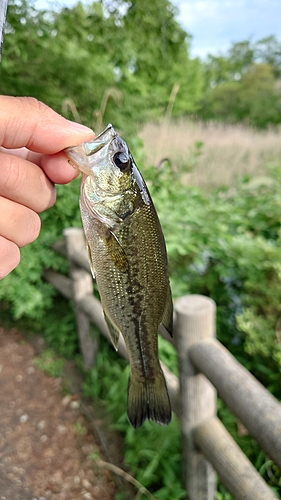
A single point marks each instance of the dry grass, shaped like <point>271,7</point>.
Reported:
<point>228,151</point>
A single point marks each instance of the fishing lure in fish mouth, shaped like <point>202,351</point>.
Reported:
<point>128,258</point>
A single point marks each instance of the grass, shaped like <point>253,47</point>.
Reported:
<point>211,154</point>
<point>49,362</point>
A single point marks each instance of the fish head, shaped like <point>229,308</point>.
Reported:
<point>106,160</point>
<point>111,181</point>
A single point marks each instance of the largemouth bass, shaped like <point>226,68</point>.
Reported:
<point>128,259</point>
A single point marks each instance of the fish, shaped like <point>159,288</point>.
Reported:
<point>128,259</point>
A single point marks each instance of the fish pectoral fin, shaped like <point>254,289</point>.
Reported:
<point>115,251</point>
<point>90,259</point>
<point>167,319</point>
<point>114,333</point>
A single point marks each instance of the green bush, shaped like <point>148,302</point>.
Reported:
<point>224,244</point>
<point>49,362</point>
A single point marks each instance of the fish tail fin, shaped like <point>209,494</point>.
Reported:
<point>148,400</point>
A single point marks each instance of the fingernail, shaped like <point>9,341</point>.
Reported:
<point>80,128</point>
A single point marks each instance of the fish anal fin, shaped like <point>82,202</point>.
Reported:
<point>115,251</point>
<point>90,259</point>
<point>114,333</point>
<point>148,400</point>
<point>167,319</point>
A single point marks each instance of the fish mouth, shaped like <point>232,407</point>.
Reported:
<point>79,156</point>
<point>101,140</point>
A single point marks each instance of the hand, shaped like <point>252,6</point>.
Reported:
<point>32,137</point>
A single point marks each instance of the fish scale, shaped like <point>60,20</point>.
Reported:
<point>129,262</point>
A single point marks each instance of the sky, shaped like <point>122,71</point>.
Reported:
<point>216,24</point>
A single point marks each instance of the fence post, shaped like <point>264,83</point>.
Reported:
<point>195,320</point>
<point>82,285</point>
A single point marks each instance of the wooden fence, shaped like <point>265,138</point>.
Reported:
<point>205,366</point>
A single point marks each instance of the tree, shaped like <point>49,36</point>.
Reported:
<point>151,54</point>
<point>47,55</point>
<point>241,57</point>
<point>242,85</point>
<point>221,103</point>
<point>82,53</point>
<point>268,50</point>
<point>259,100</point>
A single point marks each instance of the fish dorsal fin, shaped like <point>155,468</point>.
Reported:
<point>116,252</point>
<point>167,319</point>
<point>90,259</point>
<point>114,333</point>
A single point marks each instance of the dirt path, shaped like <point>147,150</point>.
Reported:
<point>45,441</point>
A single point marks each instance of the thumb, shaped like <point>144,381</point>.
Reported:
<point>27,122</point>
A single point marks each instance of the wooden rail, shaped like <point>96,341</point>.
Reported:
<point>205,367</point>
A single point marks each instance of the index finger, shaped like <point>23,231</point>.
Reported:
<point>26,122</point>
<point>56,166</point>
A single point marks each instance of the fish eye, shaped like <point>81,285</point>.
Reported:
<point>122,161</point>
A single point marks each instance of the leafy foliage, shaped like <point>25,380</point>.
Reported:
<point>80,53</point>
<point>28,294</point>
<point>229,249</point>
<point>224,243</point>
<point>138,51</point>
<point>50,363</point>
<point>243,85</point>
